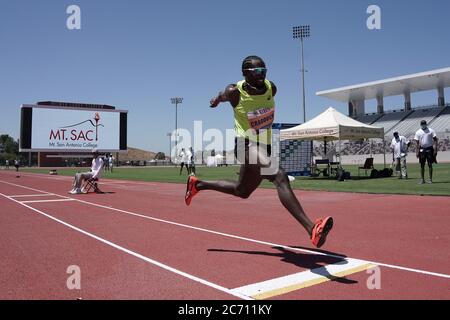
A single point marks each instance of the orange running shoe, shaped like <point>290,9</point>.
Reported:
<point>320,231</point>
<point>191,189</point>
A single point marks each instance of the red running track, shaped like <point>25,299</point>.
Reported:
<point>140,241</point>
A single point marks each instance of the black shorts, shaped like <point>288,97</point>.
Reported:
<point>242,144</point>
<point>426,155</point>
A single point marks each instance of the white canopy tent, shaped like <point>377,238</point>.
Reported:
<point>333,125</point>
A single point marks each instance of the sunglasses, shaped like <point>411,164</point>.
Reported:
<point>262,71</point>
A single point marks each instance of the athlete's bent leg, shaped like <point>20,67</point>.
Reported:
<point>249,180</point>
<point>290,201</point>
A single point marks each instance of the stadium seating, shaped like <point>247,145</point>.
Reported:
<point>411,124</point>
<point>391,119</point>
<point>368,118</point>
<point>405,122</point>
<point>442,122</point>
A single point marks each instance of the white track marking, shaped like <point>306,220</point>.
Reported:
<point>50,200</point>
<point>31,195</point>
<point>300,280</point>
<point>135,254</point>
<point>447,276</point>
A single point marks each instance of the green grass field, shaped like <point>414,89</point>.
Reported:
<point>392,185</point>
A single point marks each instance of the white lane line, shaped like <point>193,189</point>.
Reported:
<point>41,192</point>
<point>31,195</point>
<point>135,254</point>
<point>105,180</point>
<point>36,195</point>
<point>278,286</point>
<point>436,274</point>
<point>50,200</point>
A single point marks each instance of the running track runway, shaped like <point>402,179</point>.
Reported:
<point>140,241</point>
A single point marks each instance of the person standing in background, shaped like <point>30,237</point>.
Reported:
<point>400,146</point>
<point>183,163</point>
<point>192,162</point>
<point>111,162</point>
<point>426,143</point>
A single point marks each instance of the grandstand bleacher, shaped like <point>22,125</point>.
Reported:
<point>405,122</point>
<point>369,118</point>
<point>391,119</point>
<point>405,119</point>
<point>441,123</point>
<point>410,124</point>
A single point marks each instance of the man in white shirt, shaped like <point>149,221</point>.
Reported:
<point>188,160</point>
<point>183,159</point>
<point>111,162</point>
<point>399,146</point>
<point>191,161</point>
<point>96,171</point>
<point>426,142</point>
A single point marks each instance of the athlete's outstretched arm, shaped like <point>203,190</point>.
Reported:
<point>229,94</point>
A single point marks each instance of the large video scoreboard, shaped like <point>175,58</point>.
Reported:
<point>71,129</point>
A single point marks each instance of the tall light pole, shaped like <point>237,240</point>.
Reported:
<point>176,101</point>
<point>170,145</point>
<point>301,32</point>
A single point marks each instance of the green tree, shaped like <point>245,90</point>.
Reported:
<point>8,145</point>
<point>8,148</point>
<point>160,156</point>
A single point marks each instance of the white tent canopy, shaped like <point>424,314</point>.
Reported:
<point>332,125</point>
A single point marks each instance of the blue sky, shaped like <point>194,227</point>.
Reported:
<point>137,54</point>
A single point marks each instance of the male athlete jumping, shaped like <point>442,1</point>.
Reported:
<point>252,100</point>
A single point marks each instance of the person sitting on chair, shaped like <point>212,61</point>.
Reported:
<point>96,169</point>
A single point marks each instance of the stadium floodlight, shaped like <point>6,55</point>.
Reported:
<point>176,101</point>
<point>169,134</point>
<point>302,32</point>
